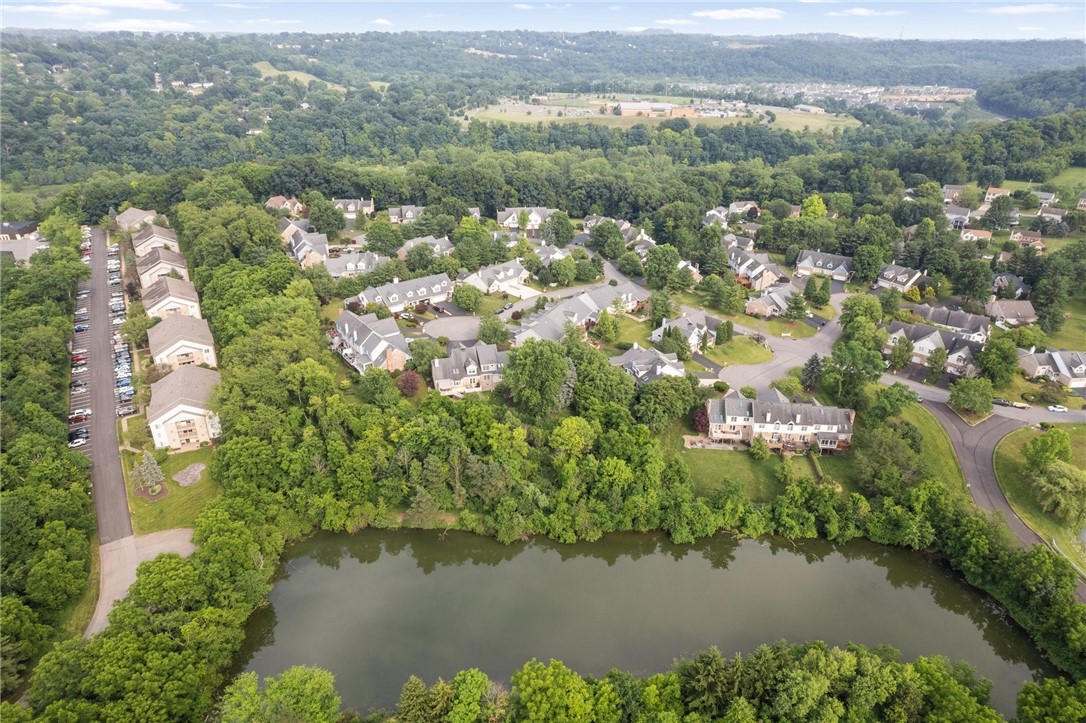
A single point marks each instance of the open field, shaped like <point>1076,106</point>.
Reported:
<point>182,505</point>
<point>740,350</point>
<point>1071,177</point>
<point>1011,474</point>
<point>267,70</point>
<point>1072,335</point>
<point>378,85</point>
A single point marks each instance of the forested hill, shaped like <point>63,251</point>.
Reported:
<point>1036,94</point>
<point>551,58</point>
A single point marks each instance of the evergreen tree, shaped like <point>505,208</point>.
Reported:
<point>414,698</point>
<point>796,308</point>
<point>811,377</point>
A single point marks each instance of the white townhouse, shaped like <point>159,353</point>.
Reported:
<point>180,340</point>
<point>179,414</point>
<point>401,295</point>
<point>468,369</point>
<point>784,427</point>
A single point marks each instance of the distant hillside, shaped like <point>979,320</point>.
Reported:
<point>1036,94</point>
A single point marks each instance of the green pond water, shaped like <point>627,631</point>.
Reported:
<point>378,606</point>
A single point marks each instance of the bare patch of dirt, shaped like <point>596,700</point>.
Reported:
<point>190,475</point>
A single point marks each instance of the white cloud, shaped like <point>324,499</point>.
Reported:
<point>819,2</point>
<point>142,25</point>
<point>237,6</point>
<point>866,13</point>
<point>523,6</point>
<point>1029,28</point>
<point>381,21</point>
<point>675,21</point>
<point>1025,9</point>
<point>131,4</point>
<point>637,28</point>
<point>272,21</point>
<point>741,14</point>
<point>614,7</point>
<point>563,6</point>
<point>66,10</point>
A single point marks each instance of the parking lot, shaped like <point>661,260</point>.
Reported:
<point>100,364</point>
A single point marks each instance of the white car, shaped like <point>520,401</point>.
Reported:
<point>79,351</point>
<point>1057,408</point>
<point>82,369</point>
<point>85,411</point>
<point>118,321</point>
<point>76,443</point>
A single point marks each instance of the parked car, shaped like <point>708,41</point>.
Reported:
<point>114,280</point>
<point>1002,402</point>
<point>77,443</point>
<point>79,351</point>
<point>508,306</point>
<point>82,432</point>
<point>76,418</point>
<point>1057,408</point>
<point>1019,405</point>
<point>125,410</point>
<point>82,295</point>
<point>79,328</point>
<point>124,382</point>
<point>86,411</point>
<point>79,357</point>
<point>82,317</point>
<point>118,321</point>
<point>126,396</point>
<point>498,310</point>
<point>81,369</point>
<point>78,383</point>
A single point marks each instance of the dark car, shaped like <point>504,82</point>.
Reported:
<point>81,433</point>
<point>498,310</point>
<point>77,418</point>
<point>508,306</point>
<point>126,396</point>
<point>79,328</point>
<point>1002,402</point>
<point>124,382</point>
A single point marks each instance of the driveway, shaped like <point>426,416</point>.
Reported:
<point>110,500</point>
<point>119,560</point>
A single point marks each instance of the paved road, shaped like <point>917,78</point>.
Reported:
<point>110,501</point>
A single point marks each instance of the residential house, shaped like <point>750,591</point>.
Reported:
<point>475,213</point>
<point>993,193</point>
<point>366,341</point>
<point>1045,198</point>
<point>1012,312</point>
<point>1052,213</point>
<point>351,207</point>
<point>505,278</point>
<point>773,301</point>
<point>292,206</point>
<point>976,234</point>
<point>785,427</point>
<point>1029,239</point>
<point>308,249</point>
<point>961,351</point>
<point>816,263</point>
<point>180,340</point>
<point>698,330</point>
<point>154,237</point>
<point>169,296</point>
<point>753,270</point>
<point>952,193</point>
<point>352,263</point>
<point>957,217</point>
<point>716,217</point>
<point>439,246</point>
<point>648,365</point>
<point>972,326</point>
<point>642,249</point>
<point>405,214</point>
<point>731,241</point>
<point>509,219</point>
<point>468,369</point>
<point>751,229</point>
<point>897,277</point>
<point>580,311</point>
<point>744,208</point>
<point>695,274</point>
<point>179,414</point>
<point>549,254</point>
<point>288,227</point>
<point>158,263</point>
<point>1066,367</point>
<point>1007,280</point>
<point>401,295</point>
<point>632,234</point>
<point>132,218</point>
<point>22,248</point>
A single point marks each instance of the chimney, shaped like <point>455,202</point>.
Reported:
<point>395,279</point>
<point>1032,349</point>
<point>769,416</point>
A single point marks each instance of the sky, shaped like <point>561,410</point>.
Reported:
<point>921,19</point>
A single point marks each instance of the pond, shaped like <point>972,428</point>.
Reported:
<point>378,606</point>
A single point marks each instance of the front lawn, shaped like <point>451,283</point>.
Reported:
<point>1012,475</point>
<point>181,506</point>
<point>630,330</point>
<point>774,327</point>
<point>740,350</point>
<point>710,467</point>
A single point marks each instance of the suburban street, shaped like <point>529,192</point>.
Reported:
<point>110,500</point>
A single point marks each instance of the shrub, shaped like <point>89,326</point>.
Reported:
<point>516,315</point>
<point>701,420</point>
<point>624,346</point>
<point>409,383</point>
<point>749,392</point>
<point>613,282</point>
<point>759,449</point>
<point>721,387</point>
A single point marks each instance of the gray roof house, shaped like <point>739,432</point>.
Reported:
<point>1066,367</point>
<point>817,263</point>
<point>365,341</point>
<point>549,254</point>
<point>1046,198</point>
<point>171,296</point>
<point>405,214</point>
<point>773,301</point>
<point>716,217</point>
<point>1014,313</point>
<point>509,219</point>
<point>159,262</point>
<point>506,277</point>
<point>133,218</point>
<point>961,350</point>
<point>179,340</point>
<point>743,243</point>
<point>972,326</point>
<point>1007,280</point>
<point>695,328</point>
<point>353,263</point>
<point>400,295</point>
<point>755,269</point>
<point>179,415</point>
<point>151,237</point>
<point>439,246</point>
<point>957,216</point>
<point>468,369</point>
<point>648,365</point>
<point>351,207</point>
<point>897,277</point>
<point>784,426</point>
<point>579,310</point>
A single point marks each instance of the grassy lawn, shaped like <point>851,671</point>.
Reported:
<point>183,504</point>
<point>775,327</point>
<point>1071,177</point>
<point>330,311</point>
<point>1021,385</point>
<point>630,330</point>
<point>494,302</point>
<point>827,312</point>
<point>1072,335</point>
<point>267,70</point>
<point>1011,473</point>
<point>709,467</point>
<point>740,350</point>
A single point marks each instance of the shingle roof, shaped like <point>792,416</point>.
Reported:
<point>770,412</point>
<point>178,327</point>
<point>369,336</point>
<point>149,232</point>
<point>551,324</point>
<point>360,261</point>
<point>514,212</point>
<point>454,366</point>
<point>167,286</point>
<point>185,385</point>
<point>949,340</point>
<point>160,255</point>
<point>648,365</point>
<point>133,217</point>
<point>820,260</point>
<point>1009,309</point>
<point>440,246</point>
<point>409,291</point>
<point>954,319</point>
